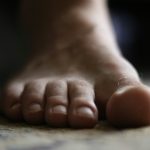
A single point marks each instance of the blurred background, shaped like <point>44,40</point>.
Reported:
<point>131,20</point>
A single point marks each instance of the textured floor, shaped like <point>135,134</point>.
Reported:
<point>103,137</point>
<point>24,137</point>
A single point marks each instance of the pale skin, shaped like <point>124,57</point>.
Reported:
<point>76,73</point>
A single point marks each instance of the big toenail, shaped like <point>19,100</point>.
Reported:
<point>60,109</point>
<point>85,112</point>
<point>35,108</point>
<point>15,106</point>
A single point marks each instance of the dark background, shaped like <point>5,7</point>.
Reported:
<point>131,20</point>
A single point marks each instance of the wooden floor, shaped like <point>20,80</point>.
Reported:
<point>103,137</point>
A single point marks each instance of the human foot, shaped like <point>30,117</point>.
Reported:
<point>65,78</point>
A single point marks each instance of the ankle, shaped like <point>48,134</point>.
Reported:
<point>62,22</point>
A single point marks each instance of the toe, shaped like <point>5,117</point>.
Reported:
<point>56,103</point>
<point>129,106</point>
<point>82,109</point>
<point>11,104</point>
<point>33,102</point>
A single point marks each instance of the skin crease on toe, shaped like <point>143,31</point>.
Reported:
<point>82,109</point>
<point>56,103</point>
<point>10,101</point>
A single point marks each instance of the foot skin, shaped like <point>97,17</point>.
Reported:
<point>77,81</point>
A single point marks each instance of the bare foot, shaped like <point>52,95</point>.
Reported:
<point>76,63</point>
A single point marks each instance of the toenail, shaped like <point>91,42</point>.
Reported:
<point>15,106</point>
<point>35,108</point>
<point>85,112</point>
<point>60,109</point>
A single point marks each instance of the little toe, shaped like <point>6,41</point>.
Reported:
<point>11,103</point>
<point>33,102</point>
<point>82,110</point>
<point>56,103</point>
<point>129,106</point>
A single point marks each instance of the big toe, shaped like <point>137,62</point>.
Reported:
<point>129,107</point>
